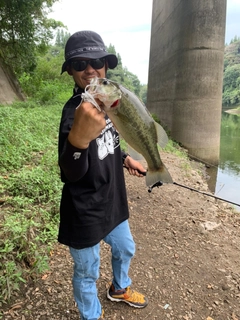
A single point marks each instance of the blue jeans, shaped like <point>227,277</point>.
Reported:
<point>86,269</point>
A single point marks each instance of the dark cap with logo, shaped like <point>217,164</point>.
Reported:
<point>89,45</point>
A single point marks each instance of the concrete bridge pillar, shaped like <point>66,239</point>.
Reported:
<point>186,72</point>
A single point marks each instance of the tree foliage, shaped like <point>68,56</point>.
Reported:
<point>231,76</point>
<point>235,39</point>
<point>25,30</point>
<point>122,75</point>
<point>61,38</point>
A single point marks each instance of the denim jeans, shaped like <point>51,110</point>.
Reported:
<point>86,269</point>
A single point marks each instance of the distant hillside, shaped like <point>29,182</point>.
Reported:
<point>231,76</point>
<point>232,53</point>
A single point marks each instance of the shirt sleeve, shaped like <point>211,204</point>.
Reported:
<point>73,162</point>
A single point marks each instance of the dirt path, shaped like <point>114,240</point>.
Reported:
<point>187,259</point>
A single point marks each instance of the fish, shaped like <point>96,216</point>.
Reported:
<point>135,125</point>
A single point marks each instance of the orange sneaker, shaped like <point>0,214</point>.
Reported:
<point>127,295</point>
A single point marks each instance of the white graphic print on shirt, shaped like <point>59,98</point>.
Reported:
<point>108,141</point>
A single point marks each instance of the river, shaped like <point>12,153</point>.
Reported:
<point>225,179</point>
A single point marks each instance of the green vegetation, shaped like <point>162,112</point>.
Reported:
<point>231,76</point>
<point>29,191</point>
<point>24,31</point>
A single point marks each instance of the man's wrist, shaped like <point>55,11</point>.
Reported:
<point>124,157</point>
<point>76,142</point>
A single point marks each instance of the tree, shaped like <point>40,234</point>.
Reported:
<point>231,76</point>
<point>61,38</point>
<point>24,29</point>
<point>121,74</point>
<point>231,85</point>
<point>143,94</point>
<point>235,39</point>
<point>111,49</point>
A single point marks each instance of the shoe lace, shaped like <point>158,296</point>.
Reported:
<point>134,295</point>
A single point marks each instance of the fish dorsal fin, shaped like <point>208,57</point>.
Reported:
<point>161,134</point>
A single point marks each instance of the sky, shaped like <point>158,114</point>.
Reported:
<point>126,24</point>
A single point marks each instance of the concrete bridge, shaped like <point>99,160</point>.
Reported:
<point>186,72</point>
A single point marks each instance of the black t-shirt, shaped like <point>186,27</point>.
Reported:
<point>94,197</point>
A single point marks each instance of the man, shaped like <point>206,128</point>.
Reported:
<point>94,203</point>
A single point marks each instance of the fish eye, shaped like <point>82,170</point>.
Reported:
<point>105,82</point>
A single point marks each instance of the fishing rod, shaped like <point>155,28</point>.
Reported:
<point>205,193</point>
<point>159,184</point>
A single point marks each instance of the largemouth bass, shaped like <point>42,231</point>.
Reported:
<point>135,124</point>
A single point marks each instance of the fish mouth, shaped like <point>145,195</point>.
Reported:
<point>115,104</point>
<point>106,91</point>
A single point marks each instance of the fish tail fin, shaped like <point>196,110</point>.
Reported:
<point>155,176</point>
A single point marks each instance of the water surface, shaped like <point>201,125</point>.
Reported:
<point>228,172</point>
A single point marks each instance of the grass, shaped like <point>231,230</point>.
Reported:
<point>30,190</point>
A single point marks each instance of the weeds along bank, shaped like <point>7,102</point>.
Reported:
<point>29,192</point>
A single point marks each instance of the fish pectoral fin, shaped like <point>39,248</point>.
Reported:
<point>162,135</point>
<point>133,153</point>
<point>162,175</point>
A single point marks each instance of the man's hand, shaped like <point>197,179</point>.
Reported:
<point>87,125</point>
<point>134,167</point>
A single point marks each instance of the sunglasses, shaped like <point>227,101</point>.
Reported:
<point>80,65</point>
